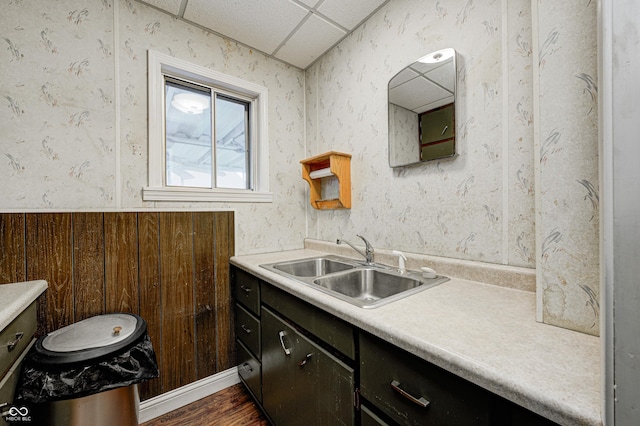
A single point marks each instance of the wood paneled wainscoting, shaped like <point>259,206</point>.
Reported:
<point>171,268</point>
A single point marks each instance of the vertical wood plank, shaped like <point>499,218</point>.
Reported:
<point>205,292</point>
<point>121,262</point>
<point>49,253</point>
<point>88,265</point>
<point>224,317</point>
<point>150,284</point>
<point>176,274</point>
<point>231,234</point>
<point>13,267</point>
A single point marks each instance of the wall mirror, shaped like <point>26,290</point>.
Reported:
<point>422,125</point>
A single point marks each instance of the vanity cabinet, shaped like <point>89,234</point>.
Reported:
<point>294,358</point>
<point>305,366</point>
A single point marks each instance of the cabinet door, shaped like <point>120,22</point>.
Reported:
<point>302,383</point>
<point>437,125</point>
<point>437,133</point>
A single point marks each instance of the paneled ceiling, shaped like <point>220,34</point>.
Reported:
<point>294,31</point>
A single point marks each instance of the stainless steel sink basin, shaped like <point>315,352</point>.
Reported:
<point>313,267</point>
<point>366,286</point>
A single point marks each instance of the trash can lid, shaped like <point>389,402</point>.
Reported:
<point>88,341</point>
<point>94,332</point>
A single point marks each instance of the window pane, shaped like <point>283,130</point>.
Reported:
<point>188,136</point>
<point>232,146</point>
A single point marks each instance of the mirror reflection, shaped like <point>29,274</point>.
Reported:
<point>422,110</point>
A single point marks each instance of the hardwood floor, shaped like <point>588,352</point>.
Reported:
<point>231,406</point>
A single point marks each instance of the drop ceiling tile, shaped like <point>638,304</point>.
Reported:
<point>414,93</point>
<point>261,24</point>
<point>171,6</point>
<point>402,77</point>
<point>442,73</point>
<point>311,40</point>
<point>349,13</point>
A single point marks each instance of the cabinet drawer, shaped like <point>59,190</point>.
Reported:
<point>247,290</point>
<point>248,330</point>
<point>398,383</point>
<point>11,345</point>
<point>250,370</point>
<point>328,328</point>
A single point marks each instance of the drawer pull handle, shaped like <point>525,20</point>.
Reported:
<point>421,401</point>
<point>247,367</point>
<point>284,348</point>
<point>12,344</point>
<point>246,329</point>
<point>304,360</point>
<point>246,289</point>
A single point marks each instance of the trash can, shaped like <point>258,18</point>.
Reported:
<point>87,373</point>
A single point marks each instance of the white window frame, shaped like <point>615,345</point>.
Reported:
<point>160,64</point>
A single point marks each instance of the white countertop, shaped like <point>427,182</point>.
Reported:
<point>16,297</point>
<point>484,333</point>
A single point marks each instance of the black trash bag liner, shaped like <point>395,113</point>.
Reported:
<point>129,366</point>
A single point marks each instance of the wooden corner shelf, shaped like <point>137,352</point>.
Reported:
<point>333,163</point>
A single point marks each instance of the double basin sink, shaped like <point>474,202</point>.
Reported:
<point>363,285</point>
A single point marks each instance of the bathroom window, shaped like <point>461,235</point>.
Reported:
<point>207,135</point>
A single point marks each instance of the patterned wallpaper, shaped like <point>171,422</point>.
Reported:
<point>74,116</point>
<point>478,206</point>
<point>482,205</point>
<point>566,151</point>
<point>74,130</point>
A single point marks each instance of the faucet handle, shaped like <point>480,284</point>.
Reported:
<point>368,245</point>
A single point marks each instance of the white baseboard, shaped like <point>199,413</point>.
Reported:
<point>162,404</point>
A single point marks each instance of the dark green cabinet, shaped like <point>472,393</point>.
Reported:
<point>302,383</point>
<point>305,366</point>
<point>288,356</point>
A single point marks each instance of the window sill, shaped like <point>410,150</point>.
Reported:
<point>205,194</point>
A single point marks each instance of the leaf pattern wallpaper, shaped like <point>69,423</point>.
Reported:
<point>74,112</point>
<point>510,197</point>
<point>523,191</point>
<point>567,220</point>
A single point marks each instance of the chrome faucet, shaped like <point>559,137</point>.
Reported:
<point>368,252</point>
